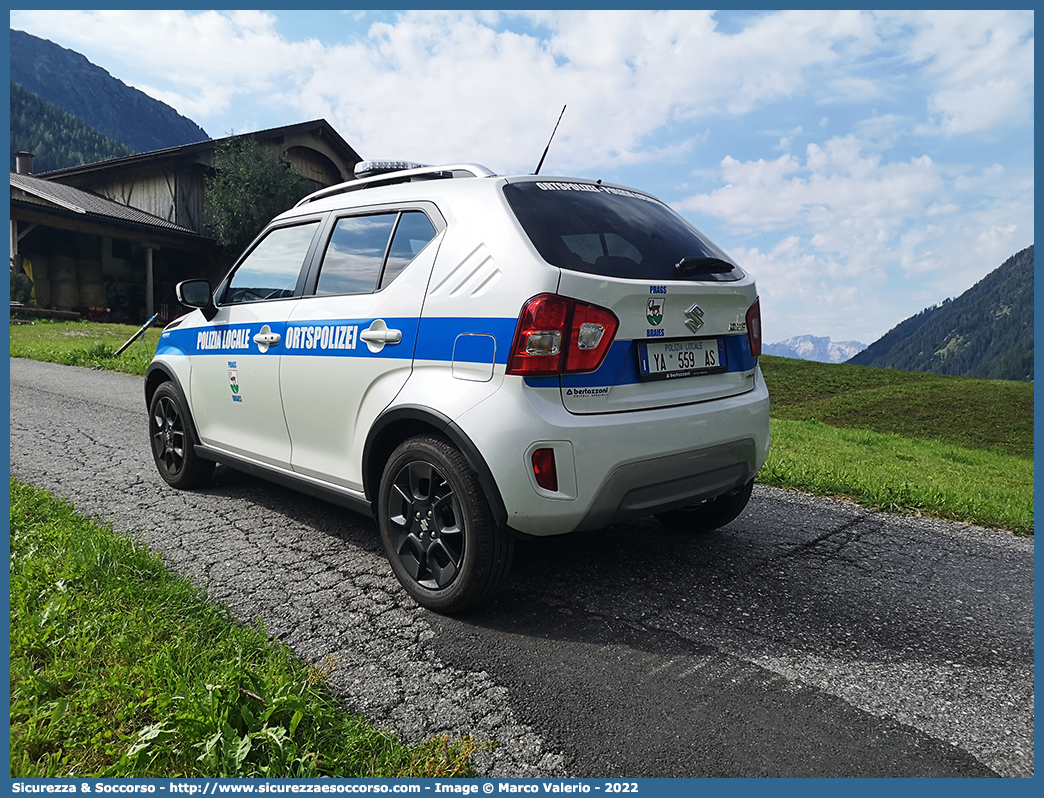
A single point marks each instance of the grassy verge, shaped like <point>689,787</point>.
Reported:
<point>122,669</point>
<point>995,415</point>
<point>902,475</point>
<point>84,343</point>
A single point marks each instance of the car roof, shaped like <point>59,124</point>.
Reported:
<point>398,176</point>
<point>421,183</point>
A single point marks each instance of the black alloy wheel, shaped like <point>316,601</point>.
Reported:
<point>425,526</point>
<point>437,528</point>
<point>173,442</point>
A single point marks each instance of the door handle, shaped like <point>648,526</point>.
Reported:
<point>266,338</point>
<point>378,334</point>
<point>381,336</point>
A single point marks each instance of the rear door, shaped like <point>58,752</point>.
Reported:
<point>350,341</point>
<point>680,300</point>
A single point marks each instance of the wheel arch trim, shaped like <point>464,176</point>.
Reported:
<point>418,416</point>
<point>158,373</point>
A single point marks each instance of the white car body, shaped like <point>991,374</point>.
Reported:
<point>316,391</point>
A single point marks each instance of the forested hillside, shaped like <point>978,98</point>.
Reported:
<point>57,138</point>
<point>88,92</point>
<point>986,332</point>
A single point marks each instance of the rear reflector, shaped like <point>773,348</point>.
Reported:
<point>544,469</point>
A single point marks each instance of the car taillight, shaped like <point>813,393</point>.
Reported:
<point>754,327</point>
<point>558,335</point>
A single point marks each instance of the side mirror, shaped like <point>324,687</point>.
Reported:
<point>197,294</point>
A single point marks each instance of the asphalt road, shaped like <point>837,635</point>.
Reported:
<point>809,638</point>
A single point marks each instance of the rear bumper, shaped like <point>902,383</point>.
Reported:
<point>615,467</point>
<point>636,490</point>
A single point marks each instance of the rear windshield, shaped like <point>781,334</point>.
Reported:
<point>614,232</point>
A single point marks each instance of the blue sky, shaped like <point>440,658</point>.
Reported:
<point>862,165</point>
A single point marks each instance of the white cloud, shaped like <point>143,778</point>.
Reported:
<point>850,89</point>
<point>981,106</point>
<point>477,87</point>
<point>622,74</point>
<point>883,131</point>
<point>982,64</point>
<point>800,293</point>
<point>208,57</point>
<point>940,208</point>
<point>806,291</point>
<point>837,187</point>
<point>786,139</point>
<point>473,87</point>
<point>864,243</point>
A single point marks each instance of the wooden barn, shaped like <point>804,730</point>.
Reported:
<point>102,259</point>
<point>113,238</point>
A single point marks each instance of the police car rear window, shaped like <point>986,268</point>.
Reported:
<point>614,232</point>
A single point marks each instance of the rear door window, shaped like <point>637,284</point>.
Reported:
<point>614,232</point>
<point>366,253</point>
<point>355,255</point>
<point>412,234</point>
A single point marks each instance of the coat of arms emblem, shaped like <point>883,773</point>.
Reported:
<point>654,310</point>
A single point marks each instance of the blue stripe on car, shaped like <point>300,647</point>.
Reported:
<point>437,340</point>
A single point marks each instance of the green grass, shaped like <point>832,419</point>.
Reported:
<point>906,442</point>
<point>83,343</point>
<point>995,415</point>
<point>902,475</point>
<point>121,669</point>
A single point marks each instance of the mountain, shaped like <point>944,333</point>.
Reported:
<point>57,138</point>
<point>68,80</point>
<point>808,347</point>
<point>985,332</point>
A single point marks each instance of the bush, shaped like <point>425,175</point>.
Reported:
<point>249,187</point>
<point>21,287</point>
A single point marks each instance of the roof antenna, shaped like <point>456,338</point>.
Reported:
<point>542,157</point>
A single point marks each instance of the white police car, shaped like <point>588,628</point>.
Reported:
<point>469,357</point>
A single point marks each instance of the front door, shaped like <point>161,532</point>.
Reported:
<point>235,365</point>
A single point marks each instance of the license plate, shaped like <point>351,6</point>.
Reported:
<point>666,360</point>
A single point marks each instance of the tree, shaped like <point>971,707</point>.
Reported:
<point>248,188</point>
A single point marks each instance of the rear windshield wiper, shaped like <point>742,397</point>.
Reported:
<point>700,264</point>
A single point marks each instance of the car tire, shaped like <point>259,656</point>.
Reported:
<point>437,528</point>
<point>709,515</point>
<point>173,440</point>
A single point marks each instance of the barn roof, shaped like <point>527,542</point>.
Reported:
<point>320,126</point>
<point>78,201</point>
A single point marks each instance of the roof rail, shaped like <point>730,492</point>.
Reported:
<point>402,176</point>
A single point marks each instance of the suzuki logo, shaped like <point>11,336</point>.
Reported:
<point>694,318</point>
